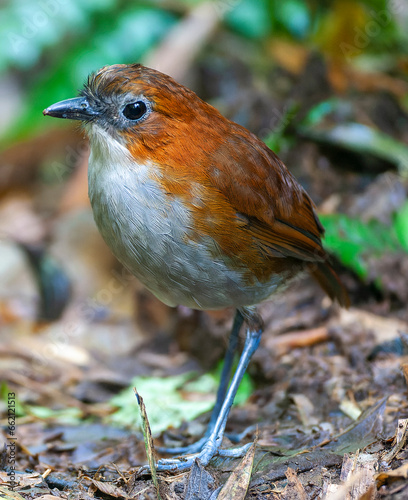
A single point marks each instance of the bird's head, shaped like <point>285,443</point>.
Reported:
<point>136,107</point>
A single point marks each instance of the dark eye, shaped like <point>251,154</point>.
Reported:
<point>134,110</point>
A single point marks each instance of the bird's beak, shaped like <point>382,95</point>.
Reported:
<point>77,108</point>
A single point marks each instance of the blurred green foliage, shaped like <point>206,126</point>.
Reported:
<point>401,226</point>
<point>170,401</point>
<point>250,18</point>
<point>350,135</point>
<point>54,44</point>
<point>73,38</point>
<point>62,416</point>
<point>358,244</point>
<point>9,398</point>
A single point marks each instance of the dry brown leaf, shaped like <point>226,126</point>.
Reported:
<point>357,475</point>
<point>370,494</point>
<point>23,480</point>
<point>361,466</point>
<point>291,56</point>
<point>350,408</point>
<point>282,344</point>
<point>391,475</point>
<point>401,436</point>
<point>148,440</point>
<point>7,494</point>
<point>376,82</point>
<point>237,484</point>
<point>384,329</point>
<point>306,410</point>
<point>109,489</point>
<point>49,497</point>
<point>295,488</point>
<point>404,368</point>
<point>345,491</point>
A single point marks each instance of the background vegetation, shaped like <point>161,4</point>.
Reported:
<point>324,84</point>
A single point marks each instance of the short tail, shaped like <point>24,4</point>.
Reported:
<point>325,275</point>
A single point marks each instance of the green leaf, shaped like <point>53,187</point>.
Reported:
<point>355,242</point>
<point>5,392</point>
<point>276,139</point>
<point>294,15</point>
<point>364,139</point>
<point>166,405</point>
<point>352,136</point>
<point>401,226</point>
<point>245,389</point>
<point>126,40</point>
<point>171,400</point>
<point>251,19</point>
<point>27,28</point>
<point>67,416</point>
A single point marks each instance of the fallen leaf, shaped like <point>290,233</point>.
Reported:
<point>148,440</point>
<point>404,368</point>
<point>401,436</point>
<point>22,479</point>
<point>168,405</point>
<point>237,484</point>
<point>281,344</point>
<point>49,497</point>
<point>391,475</point>
<point>7,494</point>
<point>306,409</point>
<point>200,483</point>
<point>358,474</point>
<point>350,409</point>
<point>295,488</point>
<point>108,489</point>
<point>382,328</point>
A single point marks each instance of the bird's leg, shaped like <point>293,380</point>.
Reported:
<point>226,369</point>
<point>222,390</point>
<point>213,443</point>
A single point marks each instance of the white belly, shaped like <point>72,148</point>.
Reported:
<point>147,231</point>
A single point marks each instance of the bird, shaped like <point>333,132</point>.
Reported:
<point>199,209</point>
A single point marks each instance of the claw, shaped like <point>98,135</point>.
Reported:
<point>181,464</point>
<point>185,450</point>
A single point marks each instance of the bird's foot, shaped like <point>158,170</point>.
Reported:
<point>239,436</point>
<point>190,449</point>
<point>208,452</point>
<point>196,447</point>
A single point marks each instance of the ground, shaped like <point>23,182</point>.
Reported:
<point>325,402</point>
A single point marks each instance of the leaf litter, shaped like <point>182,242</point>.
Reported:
<point>330,399</point>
